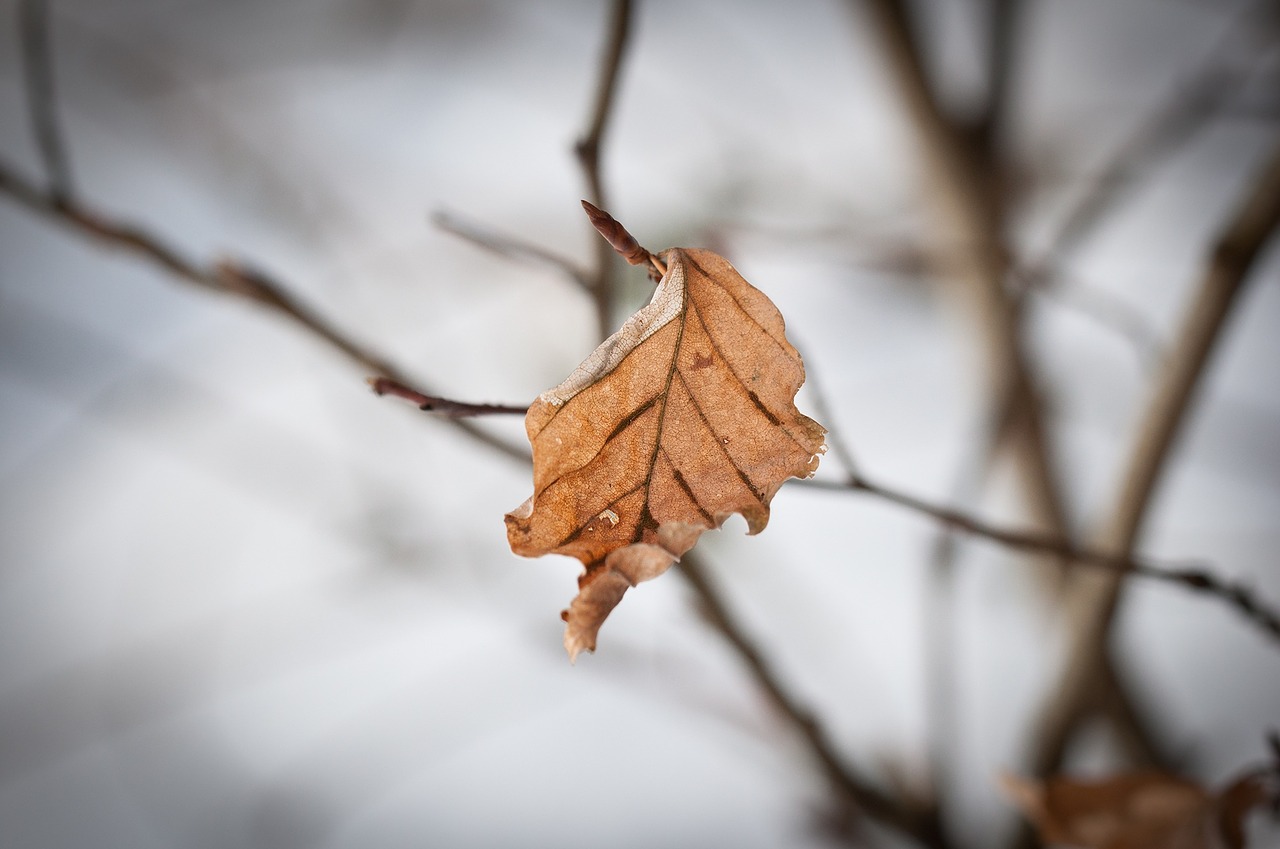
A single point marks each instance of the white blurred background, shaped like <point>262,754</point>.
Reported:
<point>246,603</point>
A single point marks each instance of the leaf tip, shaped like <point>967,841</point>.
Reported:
<point>575,647</point>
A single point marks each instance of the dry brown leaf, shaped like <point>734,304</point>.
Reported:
<point>1238,799</point>
<point>680,419</point>
<point>1140,810</point>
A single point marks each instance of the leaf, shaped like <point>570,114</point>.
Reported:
<point>1139,810</point>
<point>683,417</point>
<point>1237,800</point>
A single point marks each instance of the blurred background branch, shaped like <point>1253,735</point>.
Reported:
<point>746,134</point>
<point>589,150</point>
<point>42,103</point>
<point>226,276</point>
<point>1097,597</point>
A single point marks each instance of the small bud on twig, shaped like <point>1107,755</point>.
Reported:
<point>617,236</point>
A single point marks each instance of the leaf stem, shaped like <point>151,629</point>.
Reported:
<point>442,406</point>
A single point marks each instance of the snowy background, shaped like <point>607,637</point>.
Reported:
<point>245,603</point>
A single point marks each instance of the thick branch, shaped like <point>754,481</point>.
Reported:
<point>225,277</point>
<point>965,182</point>
<point>963,185</point>
<point>41,93</point>
<point>1242,239</point>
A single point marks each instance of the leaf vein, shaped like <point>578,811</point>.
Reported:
<point>755,491</point>
<point>631,418</point>
<point>750,395</point>
<point>577,532</point>
<point>742,309</point>
<point>688,490</point>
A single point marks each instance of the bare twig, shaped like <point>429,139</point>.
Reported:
<point>852,788</point>
<point>1195,577</point>
<point>511,247</point>
<point>1253,223</point>
<point>41,93</point>
<point>225,277</point>
<point>942,732</point>
<point>1123,318</point>
<point>1135,728</point>
<point>441,406</point>
<point>588,150</point>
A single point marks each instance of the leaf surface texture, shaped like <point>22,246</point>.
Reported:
<point>683,417</point>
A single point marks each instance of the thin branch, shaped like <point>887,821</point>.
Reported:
<point>1185,111</point>
<point>1004,20</point>
<point>961,178</point>
<point>1136,724</point>
<point>511,247</point>
<point>1193,577</point>
<point>225,277</point>
<point>911,259</point>
<point>1131,724</point>
<point>41,94</point>
<point>588,146</point>
<point>588,150</point>
<point>1004,24</point>
<point>303,195</point>
<point>1252,225</point>
<point>438,405</point>
<point>1123,318</point>
<point>853,788</point>
<point>942,686</point>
